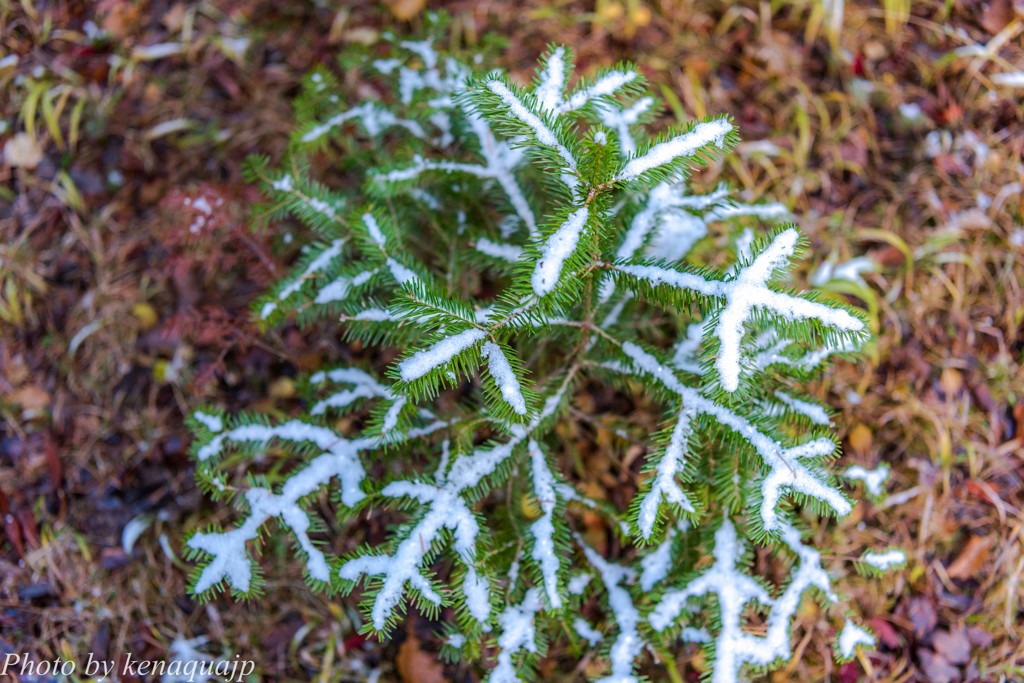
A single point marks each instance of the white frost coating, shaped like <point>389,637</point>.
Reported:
<point>363,386</point>
<point>552,82</point>
<point>373,118</point>
<point>212,422</point>
<point>1013,79</point>
<point>386,66</point>
<point>786,471</point>
<point>338,460</point>
<point>678,231</point>
<point>447,509</point>
<point>517,633</point>
<point>401,274</point>
<point>377,315</point>
<point>578,583</point>
<point>772,211</point>
<point>505,252</point>
<point>419,364</point>
<point>690,634</point>
<point>852,636</point>
<point>283,184</point>
<point>373,229</point>
<point>849,271</point>
<point>655,566</point>
<point>500,162</point>
<point>687,351</point>
<point>747,291</point>
<point>478,596</point>
<point>456,640</point>
<point>629,644</point>
<point>664,484</point>
<point>424,49</point>
<point>622,119</point>
<point>545,135</point>
<point>133,530</point>
<point>544,552</point>
<point>664,196</point>
<point>750,290</point>
<point>390,420</point>
<point>608,84</point>
<point>504,377</point>
<point>587,632</point>
<point>811,411</point>
<point>874,480</point>
<point>735,646</point>
<point>558,248</point>
<point>332,251</point>
<point>884,561</point>
<point>338,289</point>
<point>681,280</point>
<point>684,145</point>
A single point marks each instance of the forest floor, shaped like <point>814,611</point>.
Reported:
<point>890,139</point>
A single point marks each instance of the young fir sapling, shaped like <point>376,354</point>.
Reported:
<point>553,196</point>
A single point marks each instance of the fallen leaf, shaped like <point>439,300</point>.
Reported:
<point>146,315</point>
<point>979,637</point>
<point>22,151</point>
<point>121,19</point>
<point>922,616</point>
<point>860,438</point>
<point>970,560</point>
<point>404,10</point>
<point>30,398</point>
<point>416,665</point>
<point>996,15</point>
<point>951,381</point>
<point>174,18</point>
<point>936,668</point>
<point>886,633</point>
<point>954,645</point>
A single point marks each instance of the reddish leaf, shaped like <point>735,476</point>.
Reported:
<point>886,633</point>
<point>969,562</point>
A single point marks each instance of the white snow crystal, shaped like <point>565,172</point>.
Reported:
<point>419,364</point>
<point>874,480</point>
<point>884,561</point>
<point>558,248</point>
<point>852,636</point>
<point>505,252</point>
<point>212,422</point>
<point>587,632</point>
<point>684,145</point>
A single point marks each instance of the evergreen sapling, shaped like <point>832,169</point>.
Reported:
<point>519,245</point>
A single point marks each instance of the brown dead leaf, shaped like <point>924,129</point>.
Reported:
<point>174,18</point>
<point>121,19</point>
<point>30,398</point>
<point>860,438</point>
<point>951,381</point>
<point>968,563</point>
<point>404,10</point>
<point>996,15</point>
<point>22,151</point>
<point>415,665</point>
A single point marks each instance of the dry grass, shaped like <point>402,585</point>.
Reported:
<point>91,439</point>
